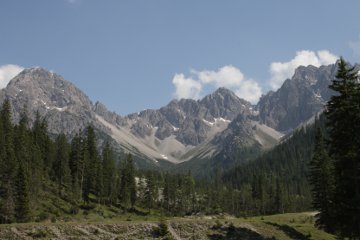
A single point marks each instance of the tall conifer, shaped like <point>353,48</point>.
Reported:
<point>321,178</point>
<point>343,114</point>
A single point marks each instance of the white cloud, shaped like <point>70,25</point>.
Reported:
<point>186,87</point>
<point>280,71</point>
<point>7,72</point>
<point>227,76</point>
<point>355,46</point>
<point>249,90</point>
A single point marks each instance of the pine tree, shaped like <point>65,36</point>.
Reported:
<point>279,197</point>
<point>127,191</point>
<point>321,178</point>
<point>150,195</point>
<point>168,192</point>
<point>76,164</point>
<point>61,164</point>
<point>42,155</point>
<point>8,165</point>
<point>92,176</point>
<point>108,176</point>
<point>343,114</point>
<point>22,210</point>
<point>132,182</point>
<point>22,141</point>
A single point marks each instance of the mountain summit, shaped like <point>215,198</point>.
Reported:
<point>214,127</point>
<point>65,107</point>
<point>298,99</point>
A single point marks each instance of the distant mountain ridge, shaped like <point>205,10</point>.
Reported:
<point>214,127</point>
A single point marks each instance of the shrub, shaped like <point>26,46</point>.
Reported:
<point>74,210</point>
<point>39,233</point>
<point>162,229</point>
<point>217,225</point>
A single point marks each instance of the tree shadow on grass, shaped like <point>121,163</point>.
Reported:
<point>232,232</point>
<point>291,232</point>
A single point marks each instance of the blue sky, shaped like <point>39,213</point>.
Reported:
<point>133,55</point>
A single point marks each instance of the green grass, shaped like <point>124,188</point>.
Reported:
<point>291,224</point>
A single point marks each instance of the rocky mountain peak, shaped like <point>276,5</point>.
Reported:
<point>40,86</point>
<point>298,99</point>
<point>225,104</point>
<point>66,108</point>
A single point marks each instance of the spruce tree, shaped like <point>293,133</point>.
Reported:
<point>321,179</point>
<point>8,165</point>
<point>61,164</point>
<point>127,191</point>
<point>132,182</point>
<point>344,148</point>
<point>150,192</point>
<point>279,197</point>
<point>76,165</point>
<point>108,174</point>
<point>22,210</point>
<point>92,176</point>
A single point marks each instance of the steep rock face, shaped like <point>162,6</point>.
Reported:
<point>66,108</point>
<point>112,117</point>
<point>223,104</point>
<point>298,99</point>
<point>188,120</point>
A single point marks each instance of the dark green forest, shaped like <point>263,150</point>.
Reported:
<point>277,181</point>
<point>35,165</point>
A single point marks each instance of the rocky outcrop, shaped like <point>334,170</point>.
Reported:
<point>298,99</point>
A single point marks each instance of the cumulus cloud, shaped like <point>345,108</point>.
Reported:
<point>7,72</point>
<point>227,76</point>
<point>250,91</point>
<point>355,46</point>
<point>186,87</point>
<point>280,71</point>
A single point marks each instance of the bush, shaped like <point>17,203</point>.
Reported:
<point>42,216</point>
<point>161,230</point>
<point>39,233</point>
<point>53,219</point>
<point>74,210</point>
<point>231,228</point>
<point>217,225</point>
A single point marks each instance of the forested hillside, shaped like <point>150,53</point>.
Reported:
<point>277,181</point>
<point>48,177</point>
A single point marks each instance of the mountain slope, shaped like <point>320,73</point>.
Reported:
<point>174,133</point>
<point>218,129</point>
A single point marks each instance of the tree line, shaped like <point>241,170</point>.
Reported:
<point>277,180</point>
<point>35,167</point>
<point>83,173</point>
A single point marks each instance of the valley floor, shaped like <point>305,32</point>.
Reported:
<point>283,226</point>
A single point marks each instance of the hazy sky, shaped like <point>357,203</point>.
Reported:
<point>133,55</point>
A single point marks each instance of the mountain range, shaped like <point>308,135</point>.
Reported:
<point>214,128</point>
